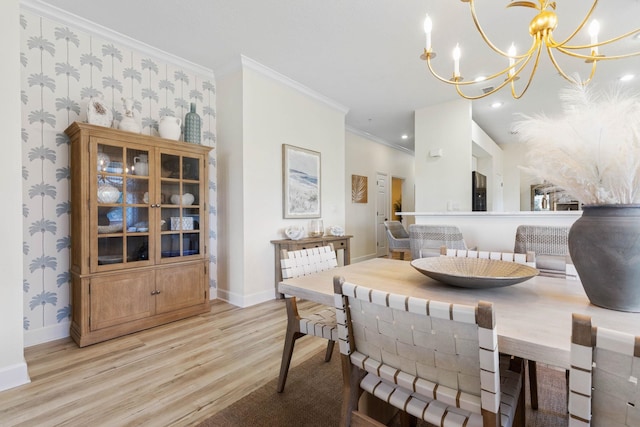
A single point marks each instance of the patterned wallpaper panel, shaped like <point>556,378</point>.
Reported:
<point>62,68</point>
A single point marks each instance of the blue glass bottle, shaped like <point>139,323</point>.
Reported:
<point>192,124</point>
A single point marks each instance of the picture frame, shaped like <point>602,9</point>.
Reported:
<point>359,189</point>
<point>301,182</point>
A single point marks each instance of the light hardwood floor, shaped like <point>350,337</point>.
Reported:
<point>172,375</point>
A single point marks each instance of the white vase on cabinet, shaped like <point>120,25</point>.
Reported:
<point>169,127</point>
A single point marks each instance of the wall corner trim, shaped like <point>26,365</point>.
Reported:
<point>268,72</point>
<point>373,138</point>
<point>48,11</point>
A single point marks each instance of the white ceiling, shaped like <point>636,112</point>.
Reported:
<point>364,54</point>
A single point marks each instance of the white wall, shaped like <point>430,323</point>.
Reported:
<point>443,183</point>
<point>230,184</point>
<point>517,183</point>
<point>491,165</point>
<point>513,158</point>
<point>366,158</point>
<point>13,368</point>
<point>275,111</point>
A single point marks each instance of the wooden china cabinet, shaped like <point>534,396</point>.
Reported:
<point>139,231</point>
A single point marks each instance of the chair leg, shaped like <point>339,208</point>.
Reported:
<point>292,334</point>
<point>516,364</point>
<point>327,356</point>
<point>351,391</point>
<point>566,375</point>
<point>287,352</point>
<point>533,383</point>
<point>358,419</point>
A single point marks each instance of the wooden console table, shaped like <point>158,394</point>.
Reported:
<point>339,242</point>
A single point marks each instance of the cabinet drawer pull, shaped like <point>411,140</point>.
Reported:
<point>156,292</point>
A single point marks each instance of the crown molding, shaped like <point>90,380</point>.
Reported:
<point>373,138</point>
<point>247,62</point>
<point>56,14</point>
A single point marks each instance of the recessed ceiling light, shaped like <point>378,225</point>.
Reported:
<point>480,79</point>
<point>405,136</point>
<point>496,104</point>
<point>627,77</point>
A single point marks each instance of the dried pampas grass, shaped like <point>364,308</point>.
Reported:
<point>592,150</point>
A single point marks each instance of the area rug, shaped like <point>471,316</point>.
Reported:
<point>312,398</point>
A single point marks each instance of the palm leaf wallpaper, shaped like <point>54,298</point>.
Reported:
<point>61,69</point>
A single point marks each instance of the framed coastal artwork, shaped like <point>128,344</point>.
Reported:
<point>300,182</point>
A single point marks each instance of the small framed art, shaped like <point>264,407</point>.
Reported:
<point>359,189</point>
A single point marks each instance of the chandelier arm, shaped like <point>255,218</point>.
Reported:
<point>591,58</point>
<point>427,58</point>
<point>436,75</point>
<point>492,91</point>
<point>533,71</point>
<point>626,55</point>
<point>536,41</point>
<point>602,43</point>
<point>562,47</point>
<point>582,24</point>
<point>481,31</point>
<point>560,70</point>
<point>508,80</point>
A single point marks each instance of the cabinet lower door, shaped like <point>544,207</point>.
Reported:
<point>180,287</point>
<point>121,298</point>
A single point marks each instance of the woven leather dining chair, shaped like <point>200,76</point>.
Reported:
<point>320,324</point>
<point>436,361</point>
<point>425,239</point>
<point>397,237</point>
<point>603,382</point>
<point>551,246</point>
<point>529,259</point>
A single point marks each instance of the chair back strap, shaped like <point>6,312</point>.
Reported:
<point>307,261</point>
<point>605,367</point>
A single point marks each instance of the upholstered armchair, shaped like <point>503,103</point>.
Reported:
<point>426,240</point>
<point>397,237</point>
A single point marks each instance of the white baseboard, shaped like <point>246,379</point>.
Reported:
<point>246,300</point>
<point>363,258</point>
<point>14,375</point>
<point>46,334</point>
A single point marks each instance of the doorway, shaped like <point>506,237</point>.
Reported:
<point>382,213</point>
<point>396,198</point>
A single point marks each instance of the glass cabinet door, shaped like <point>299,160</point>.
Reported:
<point>181,208</point>
<point>123,219</point>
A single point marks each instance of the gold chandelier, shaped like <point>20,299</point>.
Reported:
<point>541,29</point>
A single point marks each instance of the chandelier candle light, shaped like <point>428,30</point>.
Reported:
<point>541,29</point>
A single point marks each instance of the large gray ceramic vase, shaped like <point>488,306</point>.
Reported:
<point>605,248</point>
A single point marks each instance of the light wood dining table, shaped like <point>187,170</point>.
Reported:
<point>533,317</point>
